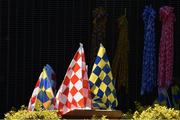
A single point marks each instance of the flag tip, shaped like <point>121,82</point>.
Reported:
<point>81,45</point>
<point>101,45</point>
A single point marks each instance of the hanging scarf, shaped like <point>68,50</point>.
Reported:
<point>166,53</point>
<point>120,60</point>
<point>149,56</point>
<point>98,31</point>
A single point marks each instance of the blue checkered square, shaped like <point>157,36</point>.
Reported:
<point>96,105</point>
<point>45,83</point>
<point>108,103</point>
<point>105,58</point>
<point>106,68</point>
<point>107,80</point>
<point>91,84</point>
<point>97,60</point>
<point>42,97</point>
<point>98,82</point>
<point>114,104</point>
<point>97,70</point>
<point>100,93</point>
<point>108,91</point>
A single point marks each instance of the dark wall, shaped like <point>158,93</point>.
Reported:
<point>36,32</point>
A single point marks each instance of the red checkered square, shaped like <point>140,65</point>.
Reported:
<point>81,102</point>
<point>60,105</point>
<point>66,91</point>
<point>73,91</point>
<point>38,82</point>
<point>68,104</point>
<point>77,56</point>
<point>74,103</point>
<point>74,79</point>
<point>76,67</point>
<point>66,81</point>
<point>33,99</point>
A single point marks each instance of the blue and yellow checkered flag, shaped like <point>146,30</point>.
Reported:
<point>43,94</point>
<point>101,82</point>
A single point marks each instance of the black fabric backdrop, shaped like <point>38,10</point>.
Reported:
<point>36,32</point>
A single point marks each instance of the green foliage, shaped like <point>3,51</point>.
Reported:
<point>127,115</point>
<point>139,108</point>
<point>157,112</point>
<point>154,112</point>
<point>94,117</point>
<point>148,112</point>
<point>23,114</point>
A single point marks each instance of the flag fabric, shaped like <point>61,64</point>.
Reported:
<point>52,77</point>
<point>74,92</point>
<point>43,94</point>
<point>101,82</point>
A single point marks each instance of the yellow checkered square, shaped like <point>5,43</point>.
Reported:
<point>94,89</point>
<point>110,75</point>
<point>103,86</point>
<point>101,63</point>
<point>38,104</point>
<point>111,97</point>
<point>111,86</point>
<point>101,52</point>
<point>44,75</point>
<point>93,77</point>
<point>49,93</point>
<point>102,75</point>
<point>104,98</point>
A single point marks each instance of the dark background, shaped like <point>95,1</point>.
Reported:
<point>36,32</point>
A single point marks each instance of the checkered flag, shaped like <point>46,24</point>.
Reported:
<point>101,82</point>
<point>43,93</point>
<point>74,92</point>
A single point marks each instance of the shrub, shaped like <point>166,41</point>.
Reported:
<point>157,112</point>
<point>23,114</point>
<point>154,112</point>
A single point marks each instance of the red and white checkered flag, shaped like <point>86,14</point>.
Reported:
<point>74,92</point>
